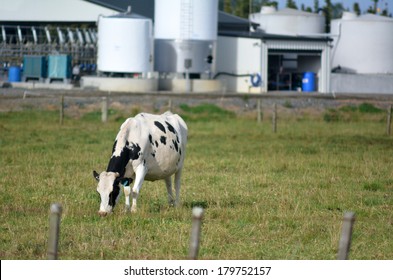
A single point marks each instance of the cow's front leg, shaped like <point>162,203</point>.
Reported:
<point>127,192</point>
<point>140,173</point>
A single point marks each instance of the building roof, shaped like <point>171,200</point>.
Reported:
<point>266,36</point>
<point>52,11</point>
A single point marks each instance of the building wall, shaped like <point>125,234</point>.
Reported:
<point>361,83</point>
<point>238,56</point>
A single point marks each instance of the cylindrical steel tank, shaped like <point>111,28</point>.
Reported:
<point>288,21</point>
<point>125,44</point>
<point>363,44</point>
<point>185,35</point>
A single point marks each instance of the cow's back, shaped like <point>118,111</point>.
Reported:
<point>162,140</point>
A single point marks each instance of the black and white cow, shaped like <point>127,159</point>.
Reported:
<point>147,147</point>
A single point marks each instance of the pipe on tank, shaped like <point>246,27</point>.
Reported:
<point>70,36</point>
<point>80,36</point>
<point>48,35</point>
<point>61,36</point>
<point>34,35</point>
<point>3,33</point>
<point>20,35</point>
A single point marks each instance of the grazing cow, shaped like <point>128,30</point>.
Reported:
<point>147,147</point>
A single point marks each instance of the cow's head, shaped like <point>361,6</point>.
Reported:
<point>109,190</point>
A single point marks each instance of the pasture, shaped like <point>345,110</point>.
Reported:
<point>266,195</point>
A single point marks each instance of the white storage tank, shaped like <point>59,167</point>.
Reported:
<point>125,44</point>
<point>363,44</point>
<point>185,35</point>
<point>288,22</point>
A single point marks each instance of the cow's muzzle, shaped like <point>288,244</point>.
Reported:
<point>102,213</point>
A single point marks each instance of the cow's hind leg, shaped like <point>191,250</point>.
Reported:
<point>139,177</point>
<point>168,183</point>
<point>177,186</point>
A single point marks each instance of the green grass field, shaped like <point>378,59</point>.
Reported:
<point>266,195</point>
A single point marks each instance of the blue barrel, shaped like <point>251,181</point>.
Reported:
<point>14,74</point>
<point>308,81</point>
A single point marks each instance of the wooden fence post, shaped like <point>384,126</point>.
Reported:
<point>61,109</point>
<point>346,235</point>
<point>197,213</point>
<point>274,118</point>
<point>389,120</point>
<point>259,111</point>
<point>170,104</point>
<point>54,229</point>
<point>104,109</point>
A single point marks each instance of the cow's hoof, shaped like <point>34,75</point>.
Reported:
<point>133,209</point>
<point>127,209</point>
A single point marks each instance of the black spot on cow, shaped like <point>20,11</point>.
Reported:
<point>171,128</point>
<point>114,147</point>
<point>160,126</point>
<point>118,163</point>
<point>151,139</point>
<point>135,151</point>
<point>153,155</point>
<point>179,151</point>
<point>114,194</point>
<point>156,144</point>
<point>176,146</point>
<point>163,140</point>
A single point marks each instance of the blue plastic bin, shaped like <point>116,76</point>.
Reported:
<point>14,74</point>
<point>308,82</point>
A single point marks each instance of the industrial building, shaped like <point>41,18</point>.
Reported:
<point>191,46</point>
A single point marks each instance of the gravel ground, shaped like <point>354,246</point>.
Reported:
<point>79,101</point>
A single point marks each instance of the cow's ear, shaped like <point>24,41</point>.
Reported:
<point>96,175</point>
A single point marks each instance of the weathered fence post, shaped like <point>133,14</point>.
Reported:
<point>61,109</point>
<point>389,120</point>
<point>274,118</point>
<point>54,229</point>
<point>104,109</point>
<point>197,213</point>
<point>346,235</point>
<point>170,104</point>
<point>259,111</point>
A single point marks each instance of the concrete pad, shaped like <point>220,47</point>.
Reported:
<point>39,85</point>
<point>196,85</point>
<point>119,84</point>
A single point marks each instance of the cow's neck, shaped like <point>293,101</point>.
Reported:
<point>118,162</point>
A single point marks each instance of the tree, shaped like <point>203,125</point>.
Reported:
<point>356,8</point>
<point>337,10</point>
<point>328,10</point>
<point>316,6</point>
<point>291,4</point>
<point>242,8</point>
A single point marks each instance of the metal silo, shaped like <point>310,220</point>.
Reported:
<point>363,44</point>
<point>185,35</point>
<point>125,44</point>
